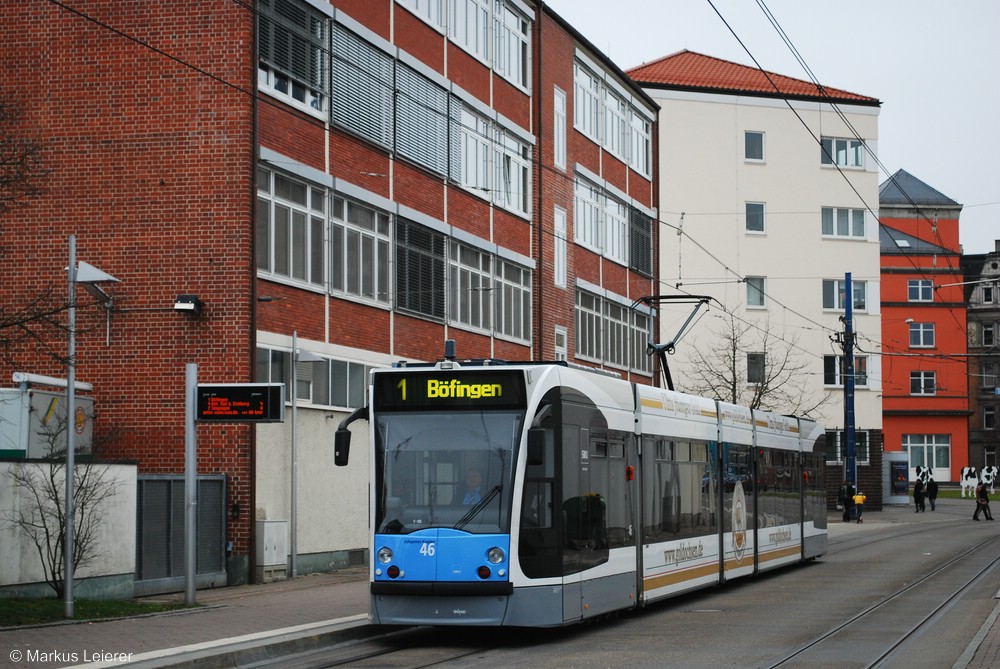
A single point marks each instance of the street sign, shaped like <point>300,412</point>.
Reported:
<point>241,402</point>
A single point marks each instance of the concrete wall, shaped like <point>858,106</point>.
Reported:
<point>110,573</point>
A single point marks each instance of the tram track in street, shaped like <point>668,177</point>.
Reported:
<point>924,597</point>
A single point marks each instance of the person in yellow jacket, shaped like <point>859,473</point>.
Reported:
<point>859,504</point>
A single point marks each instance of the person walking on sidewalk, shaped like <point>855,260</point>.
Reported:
<point>932,492</point>
<point>846,499</point>
<point>859,505</point>
<point>982,502</point>
<point>918,495</point>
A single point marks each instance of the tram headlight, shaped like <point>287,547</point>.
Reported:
<point>384,555</point>
<point>495,555</point>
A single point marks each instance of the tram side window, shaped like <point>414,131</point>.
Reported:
<point>679,490</point>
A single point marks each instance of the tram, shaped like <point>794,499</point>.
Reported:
<point>542,495</point>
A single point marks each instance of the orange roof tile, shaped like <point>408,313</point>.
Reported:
<point>693,71</point>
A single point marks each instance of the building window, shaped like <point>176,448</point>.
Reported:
<point>615,122</point>
<point>755,368</point>
<point>512,172</point>
<point>513,300</point>
<point>609,332</point>
<point>359,250</point>
<point>989,378</point>
<point>842,152</point>
<point>511,55</point>
<point>471,287</point>
<point>561,343</point>
<point>921,335</point>
<point>616,230</point>
<point>587,215</point>
<point>753,146</point>
<point>920,290</point>
<point>470,25</point>
<point>559,128</point>
<point>755,291</point>
<point>989,418</point>
<point>987,293</point>
<point>363,89</point>
<point>291,219</point>
<point>923,383</point>
<point>420,270</point>
<point>988,330</point>
<point>839,222</point>
<point>928,450</point>
<point>641,242</point>
<point>329,382</point>
<point>835,375</point>
<point>640,150</point>
<point>431,11</point>
<point>559,248</point>
<point>421,120</point>
<point>835,293</point>
<point>587,103</point>
<point>837,447</point>
<point>292,46</point>
<point>755,217</point>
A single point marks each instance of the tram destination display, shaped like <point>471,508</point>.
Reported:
<point>420,390</point>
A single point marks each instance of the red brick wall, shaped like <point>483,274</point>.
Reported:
<point>150,144</point>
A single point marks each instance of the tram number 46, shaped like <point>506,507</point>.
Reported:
<point>427,549</point>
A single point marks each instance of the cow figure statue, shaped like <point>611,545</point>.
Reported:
<point>969,480</point>
<point>924,473</point>
<point>988,475</point>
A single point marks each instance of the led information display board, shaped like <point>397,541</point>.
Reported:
<point>241,402</point>
<point>423,389</point>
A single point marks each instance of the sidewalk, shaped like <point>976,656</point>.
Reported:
<point>236,626</point>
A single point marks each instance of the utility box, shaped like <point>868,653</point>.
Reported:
<point>272,550</point>
<point>33,423</point>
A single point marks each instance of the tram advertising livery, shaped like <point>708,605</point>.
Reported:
<point>541,495</point>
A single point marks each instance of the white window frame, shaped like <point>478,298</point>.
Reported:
<point>470,287</point>
<point>559,247</point>
<point>835,293</point>
<point>641,144</point>
<point>561,343</point>
<point>587,214</point>
<point>431,12</point>
<point>989,334</point>
<point>295,249</point>
<point>290,82</point>
<point>834,365</point>
<point>843,223</point>
<point>923,378</point>
<point>616,230</point>
<point>756,367</point>
<point>922,335</point>
<point>989,418</point>
<point>747,134</point>
<point>587,102</point>
<point>475,149</point>
<point>616,111</point>
<point>756,294</point>
<point>559,128</point>
<point>920,290</point>
<point>469,26</point>
<point>750,215</point>
<point>360,251</point>
<point>512,172</point>
<point>512,300</point>
<point>936,444</point>
<point>843,152</point>
<point>512,53</point>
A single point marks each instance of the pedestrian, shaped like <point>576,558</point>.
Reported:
<point>918,495</point>
<point>845,498</point>
<point>859,505</point>
<point>982,502</point>
<point>932,491</point>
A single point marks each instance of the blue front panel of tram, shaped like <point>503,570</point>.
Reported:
<point>442,555</point>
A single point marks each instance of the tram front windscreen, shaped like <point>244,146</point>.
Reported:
<point>445,448</point>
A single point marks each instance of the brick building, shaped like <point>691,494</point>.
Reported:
<point>367,178</point>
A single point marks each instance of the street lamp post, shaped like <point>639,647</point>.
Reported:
<point>297,357</point>
<point>84,274</point>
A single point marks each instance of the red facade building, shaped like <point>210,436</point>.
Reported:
<point>924,346</point>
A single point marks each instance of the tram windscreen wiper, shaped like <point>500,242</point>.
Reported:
<point>480,505</point>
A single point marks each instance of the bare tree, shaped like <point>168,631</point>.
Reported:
<point>42,515</point>
<point>749,364</point>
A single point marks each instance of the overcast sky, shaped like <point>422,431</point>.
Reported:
<point>932,63</point>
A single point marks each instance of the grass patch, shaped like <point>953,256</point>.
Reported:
<point>40,611</point>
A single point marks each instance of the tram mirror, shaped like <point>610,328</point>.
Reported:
<point>341,447</point>
<point>536,446</point>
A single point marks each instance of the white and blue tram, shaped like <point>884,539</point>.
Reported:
<point>596,494</point>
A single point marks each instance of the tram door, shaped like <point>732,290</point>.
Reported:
<point>738,510</point>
